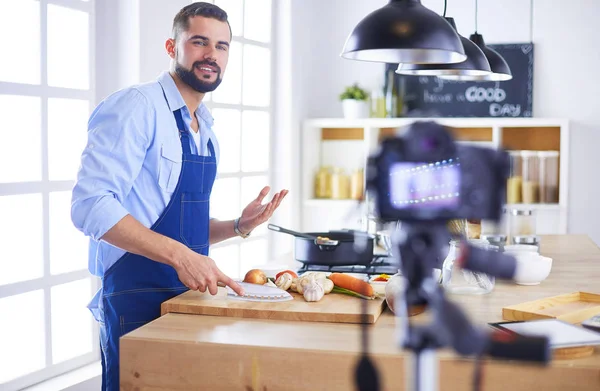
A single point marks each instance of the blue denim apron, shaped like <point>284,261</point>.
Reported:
<point>135,286</point>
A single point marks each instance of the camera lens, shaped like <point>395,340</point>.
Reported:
<point>429,144</point>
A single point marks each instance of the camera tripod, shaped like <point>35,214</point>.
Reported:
<point>420,246</point>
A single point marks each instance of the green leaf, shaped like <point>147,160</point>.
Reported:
<point>354,92</point>
<point>337,289</point>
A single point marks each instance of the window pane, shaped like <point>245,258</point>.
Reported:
<point>251,187</point>
<point>255,140</point>
<point>254,253</point>
<point>225,199</point>
<point>67,135</point>
<point>21,238</point>
<point>68,48</point>
<point>22,335</point>
<point>227,259</point>
<point>20,128</point>
<point>24,63</point>
<point>234,9</point>
<point>257,76</point>
<point>230,90</point>
<point>68,246</point>
<point>227,129</point>
<point>71,320</point>
<point>257,20</point>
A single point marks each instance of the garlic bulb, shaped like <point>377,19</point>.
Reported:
<point>327,285</point>
<point>284,281</point>
<point>313,290</point>
<point>305,280</point>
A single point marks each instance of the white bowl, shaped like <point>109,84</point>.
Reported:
<point>532,268</point>
<point>520,248</point>
<point>378,287</point>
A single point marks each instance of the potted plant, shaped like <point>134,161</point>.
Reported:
<point>354,102</point>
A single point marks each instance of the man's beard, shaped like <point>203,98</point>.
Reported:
<point>188,76</point>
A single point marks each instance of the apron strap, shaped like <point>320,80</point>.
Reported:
<point>183,133</point>
<point>211,149</point>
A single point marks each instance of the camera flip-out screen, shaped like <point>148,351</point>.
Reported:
<point>429,186</point>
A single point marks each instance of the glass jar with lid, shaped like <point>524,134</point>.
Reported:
<point>531,177</point>
<point>457,280</point>
<point>514,185</point>
<point>340,184</point>
<point>357,184</point>
<point>522,223</point>
<point>548,162</point>
<point>323,183</point>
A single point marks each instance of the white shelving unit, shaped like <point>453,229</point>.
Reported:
<point>347,143</point>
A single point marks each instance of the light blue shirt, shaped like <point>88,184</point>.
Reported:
<point>132,161</point>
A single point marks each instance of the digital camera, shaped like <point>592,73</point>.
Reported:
<point>423,175</point>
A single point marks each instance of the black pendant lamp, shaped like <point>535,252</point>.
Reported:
<point>404,31</point>
<point>475,65</point>
<point>499,67</point>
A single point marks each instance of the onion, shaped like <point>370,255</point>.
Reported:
<point>396,285</point>
<point>256,276</point>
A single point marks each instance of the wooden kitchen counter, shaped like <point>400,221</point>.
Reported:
<point>194,352</point>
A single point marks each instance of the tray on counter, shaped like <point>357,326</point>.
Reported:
<point>572,307</point>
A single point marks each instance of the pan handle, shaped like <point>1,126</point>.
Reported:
<point>277,228</point>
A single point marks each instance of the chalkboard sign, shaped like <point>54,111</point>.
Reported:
<point>430,96</point>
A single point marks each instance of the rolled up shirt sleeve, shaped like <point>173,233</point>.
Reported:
<point>118,138</point>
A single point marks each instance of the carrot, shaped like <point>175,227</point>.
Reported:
<point>352,283</point>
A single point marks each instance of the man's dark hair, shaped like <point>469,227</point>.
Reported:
<point>181,22</point>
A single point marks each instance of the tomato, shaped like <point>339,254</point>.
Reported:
<point>293,274</point>
<point>382,277</point>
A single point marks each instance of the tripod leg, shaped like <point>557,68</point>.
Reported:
<point>424,369</point>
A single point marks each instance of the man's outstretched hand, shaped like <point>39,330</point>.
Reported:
<point>257,213</point>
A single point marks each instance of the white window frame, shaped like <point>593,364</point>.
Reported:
<point>237,241</point>
<point>45,187</point>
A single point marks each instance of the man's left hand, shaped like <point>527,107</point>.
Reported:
<point>257,213</point>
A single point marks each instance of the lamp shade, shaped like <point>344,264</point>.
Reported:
<point>476,63</point>
<point>500,69</point>
<point>404,31</point>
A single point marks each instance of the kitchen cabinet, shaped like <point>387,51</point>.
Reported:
<point>346,143</point>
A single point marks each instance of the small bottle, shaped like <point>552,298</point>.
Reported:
<point>391,93</point>
<point>377,103</point>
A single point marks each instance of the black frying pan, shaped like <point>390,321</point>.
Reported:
<point>338,250</point>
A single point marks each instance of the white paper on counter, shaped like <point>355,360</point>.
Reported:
<point>559,333</point>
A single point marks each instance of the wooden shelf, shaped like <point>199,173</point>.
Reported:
<point>531,138</point>
<point>342,134</point>
<point>346,143</point>
<point>472,134</point>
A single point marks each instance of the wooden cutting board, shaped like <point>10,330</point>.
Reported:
<point>333,307</point>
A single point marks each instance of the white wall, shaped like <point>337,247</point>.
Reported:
<point>567,60</point>
<point>310,73</point>
<point>117,45</point>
